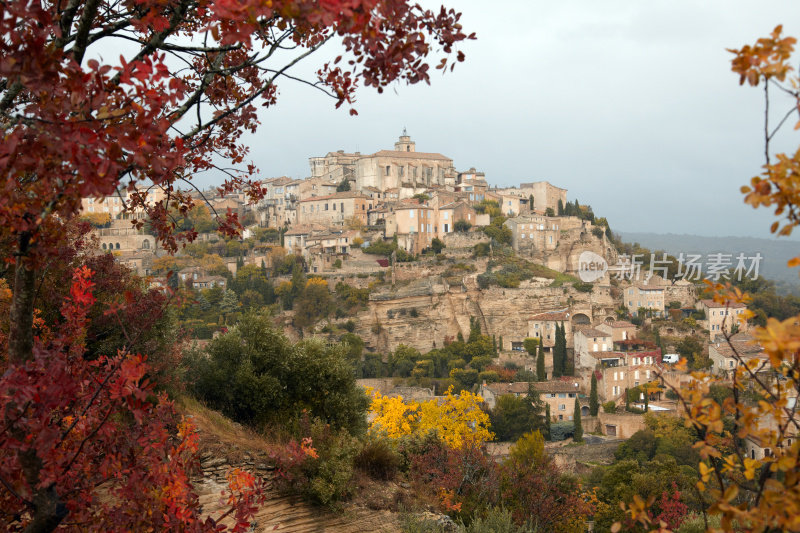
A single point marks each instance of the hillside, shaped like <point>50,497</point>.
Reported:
<point>775,252</point>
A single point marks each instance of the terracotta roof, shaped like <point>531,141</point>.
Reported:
<point>409,155</point>
<point>304,229</point>
<point>711,304</point>
<point>519,387</point>
<point>591,332</point>
<point>280,181</point>
<point>557,386</point>
<point>551,316</point>
<point>335,196</point>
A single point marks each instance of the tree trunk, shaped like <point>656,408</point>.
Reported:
<point>47,510</point>
<point>20,334</point>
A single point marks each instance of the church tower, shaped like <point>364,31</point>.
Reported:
<point>405,144</point>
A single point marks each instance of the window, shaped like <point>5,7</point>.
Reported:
<point>636,375</point>
<point>562,395</point>
<point>445,215</point>
<point>388,170</point>
<point>562,407</point>
<point>334,206</point>
<point>647,374</point>
<point>616,376</point>
<point>551,395</point>
<point>522,236</point>
<point>571,394</point>
<point>411,213</point>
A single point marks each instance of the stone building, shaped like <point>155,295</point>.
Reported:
<point>724,358</point>
<point>472,184</point>
<point>651,297</point>
<point>545,195</point>
<point>333,209</point>
<point>620,330</point>
<point>531,232</point>
<point>588,340</point>
<point>387,169</point>
<point>543,326</point>
<point>722,317</point>
<point>620,370</point>
<point>560,396</point>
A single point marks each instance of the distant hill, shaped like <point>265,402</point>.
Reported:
<point>775,252</point>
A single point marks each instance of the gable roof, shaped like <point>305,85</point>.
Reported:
<point>409,155</point>
<point>551,316</point>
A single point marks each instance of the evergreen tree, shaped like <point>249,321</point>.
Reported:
<point>541,375</point>
<point>560,207</point>
<point>594,404</point>
<point>239,262</point>
<point>343,186</point>
<point>474,329</point>
<point>460,337</point>
<point>500,343</point>
<point>577,435</point>
<point>530,199</point>
<point>646,399</point>
<point>547,421</point>
<point>627,400</point>
<point>494,343</point>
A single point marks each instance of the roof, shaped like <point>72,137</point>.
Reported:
<point>557,386</point>
<point>335,196</point>
<point>607,355</point>
<point>518,387</point>
<point>711,304</point>
<point>409,155</point>
<point>551,316</point>
<point>280,181</point>
<point>591,332</point>
<point>304,229</point>
<point>649,288</point>
<point>622,324</point>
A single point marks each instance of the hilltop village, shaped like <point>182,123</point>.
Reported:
<point>434,276</point>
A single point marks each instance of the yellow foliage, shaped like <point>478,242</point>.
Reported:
<point>316,281</point>
<point>457,420</point>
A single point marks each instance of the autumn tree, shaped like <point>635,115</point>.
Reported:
<point>75,125</point>
<point>760,492</point>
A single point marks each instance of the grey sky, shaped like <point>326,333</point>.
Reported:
<point>630,105</point>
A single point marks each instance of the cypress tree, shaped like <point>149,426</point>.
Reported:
<point>547,421</point>
<point>500,343</point>
<point>646,399</point>
<point>540,373</point>
<point>577,435</point>
<point>594,404</point>
<point>627,400</point>
<point>560,207</point>
<point>460,337</point>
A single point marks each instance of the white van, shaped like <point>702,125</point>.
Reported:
<point>671,358</point>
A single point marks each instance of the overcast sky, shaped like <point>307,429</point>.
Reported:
<point>630,105</point>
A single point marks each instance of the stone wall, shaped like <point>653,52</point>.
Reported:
<point>625,424</point>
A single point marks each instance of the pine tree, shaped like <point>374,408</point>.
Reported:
<point>594,404</point>
<point>474,329</point>
<point>577,435</point>
<point>541,375</point>
<point>560,207</point>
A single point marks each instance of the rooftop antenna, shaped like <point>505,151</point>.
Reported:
<point>405,134</point>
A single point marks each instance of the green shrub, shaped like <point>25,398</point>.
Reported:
<point>348,326</point>
<point>256,376</point>
<point>378,459</point>
<point>610,407</point>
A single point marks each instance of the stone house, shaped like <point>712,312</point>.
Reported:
<point>492,391</point>
<point>208,282</point>
<point>721,317</point>
<point>334,209</point>
<point>544,195</point>
<point>588,340</point>
<point>560,396</point>
<point>619,330</point>
<point>543,326</point>
<point>648,296</point>
<point>724,358</point>
<point>324,248</point>
<point>473,184</point>
<point>538,232</point>
<point>620,370</point>
<point>294,240</point>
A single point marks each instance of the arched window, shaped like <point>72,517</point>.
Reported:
<point>145,244</point>
<point>117,246</point>
<point>104,246</point>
